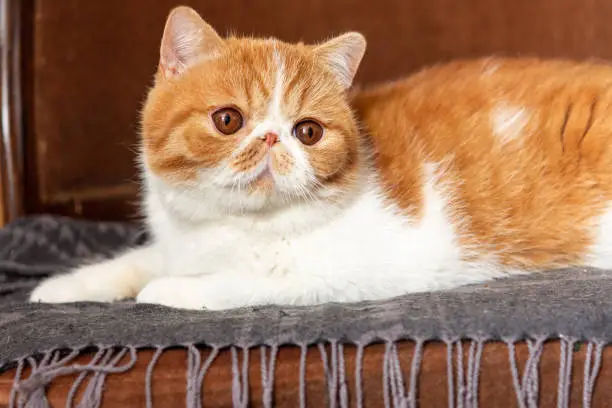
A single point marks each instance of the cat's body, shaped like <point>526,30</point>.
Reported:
<point>528,145</point>
<point>461,173</point>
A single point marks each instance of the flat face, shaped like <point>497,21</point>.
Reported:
<point>264,118</point>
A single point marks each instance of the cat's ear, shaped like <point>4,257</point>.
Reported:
<point>187,38</point>
<point>343,55</point>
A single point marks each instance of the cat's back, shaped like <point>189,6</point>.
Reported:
<point>524,148</point>
<point>487,97</point>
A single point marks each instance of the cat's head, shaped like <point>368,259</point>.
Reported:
<point>257,122</point>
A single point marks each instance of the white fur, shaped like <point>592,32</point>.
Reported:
<point>365,250</point>
<point>362,248</point>
<point>310,254</point>
<point>114,279</point>
<point>601,252</point>
<point>508,121</point>
<point>216,246</point>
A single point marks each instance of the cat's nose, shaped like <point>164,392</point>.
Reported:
<point>271,138</point>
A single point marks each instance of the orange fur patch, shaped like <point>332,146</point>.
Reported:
<point>281,161</point>
<point>531,198</point>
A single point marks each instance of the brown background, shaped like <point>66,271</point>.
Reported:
<point>87,66</point>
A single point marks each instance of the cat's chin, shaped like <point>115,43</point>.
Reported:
<point>264,195</point>
<point>263,184</point>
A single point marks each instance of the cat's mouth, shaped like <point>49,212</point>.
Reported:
<point>263,182</point>
<point>265,174</point>
<point>261,169</point>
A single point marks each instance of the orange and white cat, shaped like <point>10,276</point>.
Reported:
<point>267,181</point>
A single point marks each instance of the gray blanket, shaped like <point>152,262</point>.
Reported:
<point>571,304</point>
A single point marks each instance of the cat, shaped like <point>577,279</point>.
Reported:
<point>269,179</point>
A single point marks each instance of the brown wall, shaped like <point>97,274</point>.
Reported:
<point>89,64</point>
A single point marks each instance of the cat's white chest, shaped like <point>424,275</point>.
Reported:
<point>217,248</point>
<point>368,248</point>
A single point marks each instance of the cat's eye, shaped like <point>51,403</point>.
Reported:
<point>308,132</point>
<point>227,120</point>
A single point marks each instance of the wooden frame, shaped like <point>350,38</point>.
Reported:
<point>11,118</point>
<point>494,378</point>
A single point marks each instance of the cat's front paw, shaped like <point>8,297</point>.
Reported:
<point>196,293</point>
<point>103,282</point>
<point>171,292</point>
<point>59,289</point>
<point>72,288</point>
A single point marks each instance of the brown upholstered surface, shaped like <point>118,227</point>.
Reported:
<point>127,390</point>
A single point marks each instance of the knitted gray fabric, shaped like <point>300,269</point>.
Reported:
<point>573,305</point>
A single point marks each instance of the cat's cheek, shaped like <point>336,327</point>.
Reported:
<point>326,165</point>
<point>329,156</point>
